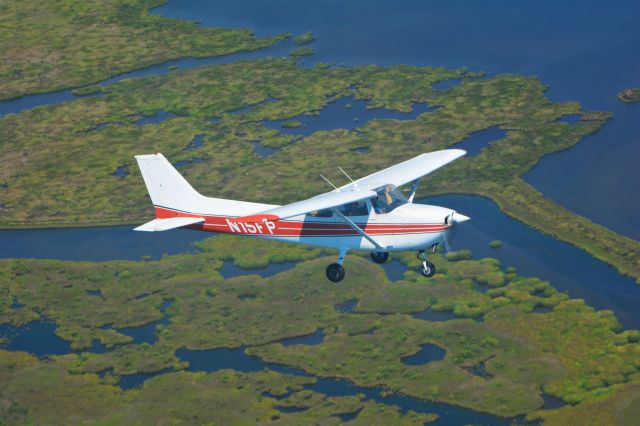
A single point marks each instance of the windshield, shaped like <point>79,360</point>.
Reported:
<point>389,198</point>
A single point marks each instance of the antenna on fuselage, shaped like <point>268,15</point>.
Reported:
<point>329,182</point>
<point>355,184</point>
<point>345,173</point>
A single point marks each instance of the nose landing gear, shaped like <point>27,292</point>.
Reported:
<point>427,269</point>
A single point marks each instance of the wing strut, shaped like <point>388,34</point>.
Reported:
<point>358,229</point>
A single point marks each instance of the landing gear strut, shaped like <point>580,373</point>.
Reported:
<point>427,269</point>
<point>379,256</point>
<point>335,271</point>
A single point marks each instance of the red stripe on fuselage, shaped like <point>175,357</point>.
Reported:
<point>296,228</point>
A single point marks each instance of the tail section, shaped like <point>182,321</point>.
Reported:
<point>177,204</point>
<point>166,186</point>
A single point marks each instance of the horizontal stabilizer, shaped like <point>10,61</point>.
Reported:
<point>157,225</point>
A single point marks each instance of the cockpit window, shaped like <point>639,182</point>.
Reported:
<point>358,208</point>
<point>321,213</point>
<point>389,198</point>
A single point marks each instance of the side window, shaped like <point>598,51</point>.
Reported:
<point>321,213</point>
<point>355,209</point>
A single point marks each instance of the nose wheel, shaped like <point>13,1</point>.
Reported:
<point>427,269</point>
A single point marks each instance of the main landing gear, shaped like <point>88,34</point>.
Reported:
<point>335,271</point>
<point>379,256</point>
<point>427,269</point>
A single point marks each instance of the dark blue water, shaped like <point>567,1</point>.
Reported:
<point>130,381</point>
<point>480,370</point>
<point>37,337</point>
<point>477,141</point>
<point>427,353</point>
<point>120,172</point>
<point>551,403</point>
<point>230,270</point>
<point>195,143</point>
<point>308,340</point>
<point>532,253</point>
<point>237,359</point>
<point>186,163</point>
<point>147,333</point>
<point>584,50</point>
<point>347,307</point>
<point>263,151</point>
<point>344,113</point>
<point>158,117</point>
<point>395,270</point>
<point>431,315</point>
<point>570,118</point>
<point>95,244</point>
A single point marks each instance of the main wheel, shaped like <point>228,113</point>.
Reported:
<point>427,269</point>
<point>335,272</point>
<point>379,256</point>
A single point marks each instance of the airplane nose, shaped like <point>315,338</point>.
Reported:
<point>459,218</point>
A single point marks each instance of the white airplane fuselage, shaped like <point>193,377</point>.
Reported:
<point>407,227</point>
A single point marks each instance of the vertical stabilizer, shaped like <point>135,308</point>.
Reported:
<point>166,186</point>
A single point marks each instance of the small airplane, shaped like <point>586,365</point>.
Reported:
<point>369,214</point>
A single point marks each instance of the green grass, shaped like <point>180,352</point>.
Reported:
<point>292,124</point>
<point>630,95</point>
<point>301,51</point>
<point>305,38</point>
<point>224,397</point>
<point>50,45</point>
<point>495,244</point>
<point>573,352</point>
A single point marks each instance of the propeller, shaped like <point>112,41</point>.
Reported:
<point>453,219</point>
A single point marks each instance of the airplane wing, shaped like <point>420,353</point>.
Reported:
<point>321,202</point>
<point>407,171</point>
<point>362,189</point>
<point>165,224</point>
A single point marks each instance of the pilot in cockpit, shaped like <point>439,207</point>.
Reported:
<point>388,199</point>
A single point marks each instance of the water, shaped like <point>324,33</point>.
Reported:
<point>395,270</point>
<point>37,337</point>
<point>230,270</point>
<point>347,307</point>
<point>344,113</point>
<point>585,51</point>
<point>551,403</point>
<point>147,333</point>
<point>312,339</point>
<point>431,315</point>
<point>157,118</point>
<point>263,151</point>
<point>477,141</point>
<point>428,353</point>
<point>120,172</point>
<point>535,254</point>
<point>570,118</point>
<point>195,143</point>
<point>237,359</point>
<point>95,244</point>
